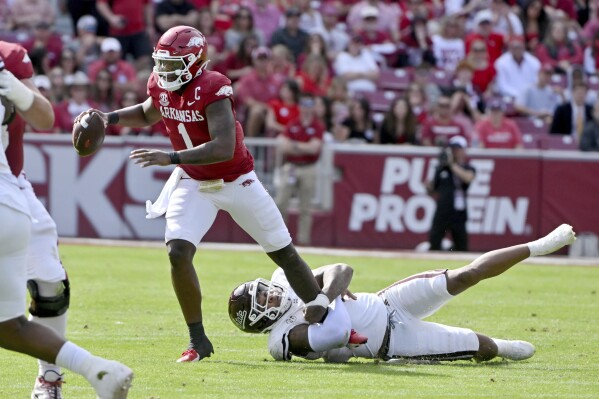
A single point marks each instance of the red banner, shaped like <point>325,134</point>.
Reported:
<point>381,200</point>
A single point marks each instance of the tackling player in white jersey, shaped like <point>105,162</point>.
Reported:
<point>391,319</point>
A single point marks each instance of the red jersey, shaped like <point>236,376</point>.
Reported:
<point>506,135</point>
<point>296,131</point>
<point>134,13</point>
<point>16,61</point>
<point>184,115</point>
<point>439,133</point>
<point>284,113</point>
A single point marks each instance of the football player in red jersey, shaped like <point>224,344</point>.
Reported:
<point>216,171</point>
<point>32,259</point>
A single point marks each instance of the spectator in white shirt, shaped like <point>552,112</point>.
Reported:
<point>335,38</point>
<point>505,21</point>
<point>448,47</point>
<point>357,67</point>
<point>516,69</point>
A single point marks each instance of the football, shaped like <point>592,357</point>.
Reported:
<point>88,135</point>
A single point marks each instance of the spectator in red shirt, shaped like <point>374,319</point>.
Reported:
<point>535,23</point>
<point>418,101</point>
<point>484,71</point>
<point>239,63</point>
<point>300,145</point>
<point>496,130</point>
<point>75,103</point>
<point>442,126</point>
<point>255,90</point>
<point>283,109</point>
<point>557,50</point>
<point>483,22</point>
<point>45,38</point>
<point>132,23</point>
<point>123,73</point>
<point>314,76</point>
<point>102,91</point>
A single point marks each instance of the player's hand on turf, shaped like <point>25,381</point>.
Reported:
<point>205,349</point>
<point>144,157</point>
<point>314,314</point>
<point>348,295</point>
<point>101,114</point>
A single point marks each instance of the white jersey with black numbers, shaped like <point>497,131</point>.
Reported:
<point>368,316</point>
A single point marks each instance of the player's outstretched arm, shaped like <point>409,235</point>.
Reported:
<point>139,115</point>
<point>30,103</point>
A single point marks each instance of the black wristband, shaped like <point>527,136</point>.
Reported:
<point>175,158</point>
<point>113,118</point>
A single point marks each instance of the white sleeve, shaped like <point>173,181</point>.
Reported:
<point>334,331</point>
<point>278,345</point>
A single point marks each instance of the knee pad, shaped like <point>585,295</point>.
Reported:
<point>48,306</point>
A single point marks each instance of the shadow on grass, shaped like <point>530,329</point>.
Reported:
<point>380,368</point>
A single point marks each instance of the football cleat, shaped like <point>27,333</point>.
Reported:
<point>44,389</point>
<point>356,339</point>
<point>111,379</point>
<point>189,356</point>
<point>561,236</point>
<point>514,350</point>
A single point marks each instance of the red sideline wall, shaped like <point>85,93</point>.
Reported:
<point>380,199</point>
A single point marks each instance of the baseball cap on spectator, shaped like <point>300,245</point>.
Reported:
<point>483,16</point>
<point>88,23</point>
<point>496,104</point>
<point>293,12</point>
<point>369,12</point>
<point>458,142</point>
<point>261,52</point>
<point>110,44</point>
<point>42,82</point>
<point>77,79</point>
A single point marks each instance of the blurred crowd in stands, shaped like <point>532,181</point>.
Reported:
<point>501,73</point>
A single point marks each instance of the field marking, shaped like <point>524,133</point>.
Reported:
<point>385,254</point>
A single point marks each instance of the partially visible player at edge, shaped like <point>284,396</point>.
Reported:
<point>216,171</point>
<point>47,280</point>
<point>390,322</point>
<point>22,248</point>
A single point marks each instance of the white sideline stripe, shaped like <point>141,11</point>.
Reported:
<point>385,254</point>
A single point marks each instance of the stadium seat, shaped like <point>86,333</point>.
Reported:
<point>531,141</point>
<point>532,126</point>
<point>441,78</point>
<point>558,142</point>
<point>380,101</point>
<point>559,80</point>
<point>394,79</point>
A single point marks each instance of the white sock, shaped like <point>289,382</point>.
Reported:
<point>75,358</point>
<point>57,324</point>
<point>503,346</point>
<point>536,248</point>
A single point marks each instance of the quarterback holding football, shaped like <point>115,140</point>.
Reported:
<point>215,171</point>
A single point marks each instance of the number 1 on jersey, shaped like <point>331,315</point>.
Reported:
<point>183,132</point>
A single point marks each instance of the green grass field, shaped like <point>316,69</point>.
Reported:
<point>123,307</point>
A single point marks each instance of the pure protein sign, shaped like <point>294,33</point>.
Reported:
<point>392,212</point>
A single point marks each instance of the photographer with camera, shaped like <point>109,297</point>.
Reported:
<point>449,185</point>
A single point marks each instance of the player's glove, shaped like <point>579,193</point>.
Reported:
<point>14,90</point>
